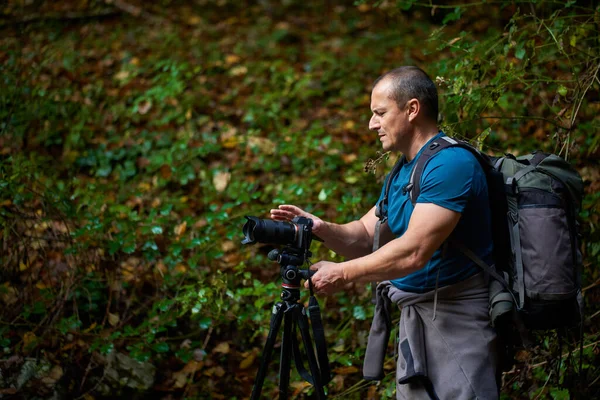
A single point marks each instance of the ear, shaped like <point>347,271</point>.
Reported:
<point>413,108</point>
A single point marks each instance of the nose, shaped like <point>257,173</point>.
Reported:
<point>374,123</point>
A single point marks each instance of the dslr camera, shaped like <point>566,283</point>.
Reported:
<point>296,236</point>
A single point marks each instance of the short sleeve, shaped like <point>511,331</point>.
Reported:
<point>447,180</point>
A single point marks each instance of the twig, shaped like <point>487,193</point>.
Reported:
<point>545,383</point>
<point>514,371</point>
<point>593,285</point>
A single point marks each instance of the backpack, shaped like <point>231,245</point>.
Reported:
<point>534,202</point>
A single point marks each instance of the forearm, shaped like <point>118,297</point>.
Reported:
<point>349,240</point>
<point>396,259</point>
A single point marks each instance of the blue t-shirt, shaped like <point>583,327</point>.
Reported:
<point>452,179</point>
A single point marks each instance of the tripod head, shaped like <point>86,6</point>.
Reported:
<point>289,260</point>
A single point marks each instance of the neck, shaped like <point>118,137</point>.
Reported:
<point>419,139</point>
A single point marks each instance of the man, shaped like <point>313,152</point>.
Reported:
<point>446,345</point>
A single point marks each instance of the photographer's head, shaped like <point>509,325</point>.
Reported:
<point>404,102</point>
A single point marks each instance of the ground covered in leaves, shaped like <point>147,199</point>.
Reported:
<point>135,136</point>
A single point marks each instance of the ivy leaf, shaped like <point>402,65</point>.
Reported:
<point>157,230</point>
<point>359,313</point>
<point>161,347</point>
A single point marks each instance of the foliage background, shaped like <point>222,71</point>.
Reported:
<point>135,136</point>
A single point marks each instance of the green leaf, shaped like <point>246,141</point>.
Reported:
<point>562,90</point>
<point>161,347</point>
<point>157,230</point>
<point>129,248</point>
<point>322,195</point>
<point>359,313</point>
<point>205,322</point>
<point>520,53</point>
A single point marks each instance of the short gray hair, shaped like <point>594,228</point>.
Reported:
<point>409,82</point>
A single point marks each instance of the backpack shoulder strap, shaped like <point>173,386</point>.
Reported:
<point>414,185</point>
<point>381,206</point>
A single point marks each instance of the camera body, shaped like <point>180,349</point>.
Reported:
<point>296,236</point>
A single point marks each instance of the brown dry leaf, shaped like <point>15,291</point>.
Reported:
<point>265,145</point>
<point>346,370</point>
<point>349,125</point>
<point>113,319</point>
<point>180,269</point>
<point>228,245</point>
<point>28,339</point>
<point>121,75</point>
<point>222,347</point>
<point>522,355</point>
<point>248,361</point>
<point>182,377</point>
<point>165,171</point>
<point>9,295</point>
<point>229,137</point>
<point>56,372</point>
<point>41,285</point>
<point>194,20</point>
<point>219,371</point>
<point>238,71</point>
<point>221,180</point>
<point>180,229</point>
<point>349,158</point>
<point>299,387</point>
<point>232,59</point>
<point>144,107</point>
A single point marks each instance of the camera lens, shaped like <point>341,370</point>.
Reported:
<point>268,231</point>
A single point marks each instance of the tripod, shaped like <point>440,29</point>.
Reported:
<point>293,315</point>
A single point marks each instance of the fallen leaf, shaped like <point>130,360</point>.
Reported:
<point>180,229</point>
<point>221,180</point>
<point>349,125</point>
<point>28,339</point>
<point>144,107</point>
<point>228,245</point>
<point>194,20</point>
<point>232,59</point>
<point>113,319</point>
<point>248,361</point>
<point>222,347</point>
<point>122,75</point>
<point>265,145</point>
<point>346,370</point>
<point>239,70</point>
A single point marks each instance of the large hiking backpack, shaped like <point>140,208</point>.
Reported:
<point>534,202</point>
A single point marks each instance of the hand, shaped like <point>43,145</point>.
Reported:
<point>287,212</point>
<point>328,279</point>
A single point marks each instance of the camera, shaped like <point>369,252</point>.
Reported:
<point>295,235</point>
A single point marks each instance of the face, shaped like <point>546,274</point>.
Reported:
<point>390,121</point>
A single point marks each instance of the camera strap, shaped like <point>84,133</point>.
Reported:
<point>381,213</point>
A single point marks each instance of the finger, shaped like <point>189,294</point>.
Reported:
<point>281,215</point>
<point>290,208</point>
<point>315,267</point>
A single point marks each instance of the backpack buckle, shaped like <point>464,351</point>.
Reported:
<point>433,145</point>
<point>407,188</point>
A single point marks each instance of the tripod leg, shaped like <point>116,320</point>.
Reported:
<point>286,354</point>
<point>310,354</point>
<point>276,318</point>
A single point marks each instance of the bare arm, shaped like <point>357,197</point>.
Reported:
<point>351,240</point>
<point>429,226</point>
